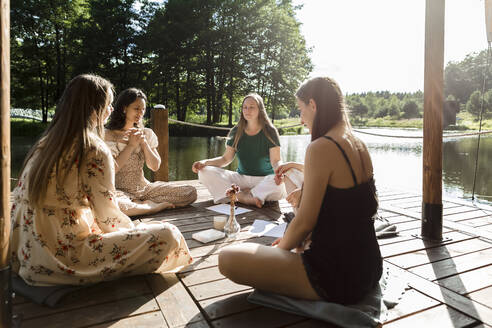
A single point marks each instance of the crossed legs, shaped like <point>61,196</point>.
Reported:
<point>259,266</point>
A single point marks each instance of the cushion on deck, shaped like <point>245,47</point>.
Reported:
<point>369,312</point>
<point>43,295</point>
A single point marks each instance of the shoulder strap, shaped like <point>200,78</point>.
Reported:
<point>345,156</point>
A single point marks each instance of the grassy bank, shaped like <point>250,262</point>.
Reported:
<point>27,128</point>
<point>464,121</point>
<point>289,126</point>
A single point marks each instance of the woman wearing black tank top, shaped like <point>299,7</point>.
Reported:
<point>342,261</point>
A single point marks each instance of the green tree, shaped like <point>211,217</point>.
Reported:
<point>410,109</point>
<point>462,78</point>
<point>474,103</point>
<point>41,50</point>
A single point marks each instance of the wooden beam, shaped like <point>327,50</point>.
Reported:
<point>160,125</point>
<point>433,107</point>
<point>5,285</point>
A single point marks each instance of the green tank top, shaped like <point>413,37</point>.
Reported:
<point>253,153</point>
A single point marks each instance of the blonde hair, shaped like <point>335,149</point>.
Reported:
<point>86,97</point>
<point>263,119</point>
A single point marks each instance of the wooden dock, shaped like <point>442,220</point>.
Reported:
<point>451,282</point>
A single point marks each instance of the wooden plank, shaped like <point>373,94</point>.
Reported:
<point>202,263</point>
<point>480,222</point>
<point>447,223</point>
<point>478,213</point>
<point>458,210</point>
<point>441,316</point>
<point>311,323</point>
<point>483,296</point>
<point>425,256</point>
<point>448,204</point>
<point>470,281</point>
<point>105,292</point>
<point>409,225</point>
<point>200,276</point>
<point>411,204</point>
<point>452,299</point>
<point>393,199</point>
<point>215,248</point>
<point>455,265</point>
<point>175,303</point>
<point>197,324</point>
<point>216,288</point>
<point>407,235</point>
<point>95,314</point>
<point>258,318</point>
<point>152,319</point>
<point>399,219</point>
<point>419,244</point>
<point>411,302</point>
<point>226,305</point>
<point>387,214</point>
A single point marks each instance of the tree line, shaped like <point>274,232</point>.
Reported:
<point>194,56</point>
<point>463,84</point>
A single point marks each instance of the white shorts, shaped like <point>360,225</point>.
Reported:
<point>218,180</point>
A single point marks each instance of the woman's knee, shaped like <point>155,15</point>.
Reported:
<point>233,260</point>
<point>226,262</point>
<point>191,194</point>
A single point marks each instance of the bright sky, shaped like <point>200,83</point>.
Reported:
<point>371,45</point>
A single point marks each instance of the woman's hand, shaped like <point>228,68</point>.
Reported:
<point>305,245</point>
<point>135,137</point>
<point>197,166</point>
<point>294,198</point>
<point>282,168</point>
<point>276,242</point>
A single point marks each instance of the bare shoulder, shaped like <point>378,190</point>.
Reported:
<point>320,151</point>
<point>321,146</point>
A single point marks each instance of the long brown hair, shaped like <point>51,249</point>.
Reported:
<point>330,105</point>
<point>86,97</point>
<point>263,119</point>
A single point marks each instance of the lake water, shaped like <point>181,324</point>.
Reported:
<point>397,162</point>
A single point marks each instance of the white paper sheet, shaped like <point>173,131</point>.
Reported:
<point>267,228</point>
<point>226,209</point>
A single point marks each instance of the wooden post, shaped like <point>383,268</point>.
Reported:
<point>433,108</point>
<point>161,129</point>
<point>5,283</point>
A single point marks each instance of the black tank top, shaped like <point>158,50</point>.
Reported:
<point>344,261</point>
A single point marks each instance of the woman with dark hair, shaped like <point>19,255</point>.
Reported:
<point>256,142</point>
<point>132,146</point>
<point>336,256</point>
<point>66,225</point>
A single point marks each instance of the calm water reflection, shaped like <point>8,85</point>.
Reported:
<point>397,162</point>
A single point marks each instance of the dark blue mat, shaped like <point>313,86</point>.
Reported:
<point>43,295</point>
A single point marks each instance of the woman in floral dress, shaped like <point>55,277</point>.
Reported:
<point>66,225</point>
<point>132,146</point>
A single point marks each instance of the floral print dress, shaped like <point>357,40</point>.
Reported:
<point>131,184</point>
<point>79,236</point>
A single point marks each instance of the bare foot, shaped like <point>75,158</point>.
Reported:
<point>148,207</point>
<point>157,207</point>
<point>247,198</point>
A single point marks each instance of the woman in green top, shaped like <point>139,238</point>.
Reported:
<point>256,142</point>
